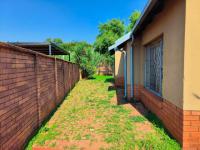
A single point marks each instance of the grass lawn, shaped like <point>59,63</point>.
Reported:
<point>88,119</point>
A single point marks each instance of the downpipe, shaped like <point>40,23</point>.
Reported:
<point>125,72</point>
<point>132,68</point>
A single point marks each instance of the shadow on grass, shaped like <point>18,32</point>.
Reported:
<point>110,80</point>
<point>111,88</point>
<point>91,78</point>
<point>158,123</point>
<point>151,117</point>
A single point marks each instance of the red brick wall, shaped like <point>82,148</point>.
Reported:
<point>184,125</point>
<point>136,91</point>
<point>31,86</point>
<point>191,129</point>
<point>170,115</point>
<point>119,81</point>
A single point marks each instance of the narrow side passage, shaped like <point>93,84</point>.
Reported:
<point>92,117</point>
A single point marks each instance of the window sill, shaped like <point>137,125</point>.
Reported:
<point>155,94</point>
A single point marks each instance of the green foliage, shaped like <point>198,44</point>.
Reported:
<point>133,19</point>
<point>88,60</point>
<point>84,55</point>
<point>104,41</point>
<point>112,30</point>
<point>71,46</point>
<point>115,26</point>
<point>107,60</point>
<point>89,57</point>
<point>160,140</point>
<point>55,40</point>
<point>109,32</point>
<point>81,53</point>
<point>44,134</point>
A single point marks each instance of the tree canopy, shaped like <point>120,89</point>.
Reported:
<point>116,26</point>
<point>133,19</point>
<point>109,32</point>
<point>55,40</point>
<point>88,56</point>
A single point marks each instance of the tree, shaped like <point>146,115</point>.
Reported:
<point>104,41</point>
<point>87,59</point>
<point>109,32</point>
<point>84,55</point>
<point>70,46</point>
<point>55,40</point>
<point>115,26</point>
<point>133,19</point>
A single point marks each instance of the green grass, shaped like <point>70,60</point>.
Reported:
<point>161,139</point>
<point>138,119</point>
<point>88,113</point>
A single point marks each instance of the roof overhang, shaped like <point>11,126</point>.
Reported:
<point>152,8</point>
<point>42,47</point>
<point>120,42</point>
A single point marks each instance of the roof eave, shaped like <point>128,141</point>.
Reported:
<point>120,41</point>
<point>145,12</point>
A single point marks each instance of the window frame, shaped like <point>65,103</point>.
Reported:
<point>153,46</point>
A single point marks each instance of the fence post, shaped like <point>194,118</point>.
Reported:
<point>64,77</point>
<point>69,76</point>
<point>56,81</point>
<point>37,88</point>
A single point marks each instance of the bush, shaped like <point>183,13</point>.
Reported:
<point>88,60</point>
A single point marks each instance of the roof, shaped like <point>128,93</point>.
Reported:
<point>151,9</point>
<point>42,47</point>
<point>120,41</point>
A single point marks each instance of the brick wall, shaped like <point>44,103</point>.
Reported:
<point>136,93</point>
<point>119,81</point>
<point>31,86</point>
<point>184,125</point>
<point>191,129</point>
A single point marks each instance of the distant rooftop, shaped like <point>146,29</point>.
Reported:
<point>42,47</point>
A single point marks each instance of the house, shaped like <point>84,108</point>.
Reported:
<point>158,64</point>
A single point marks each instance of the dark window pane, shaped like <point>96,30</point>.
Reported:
<point>153,67</point>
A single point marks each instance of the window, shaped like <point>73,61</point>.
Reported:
<point>154,67</point>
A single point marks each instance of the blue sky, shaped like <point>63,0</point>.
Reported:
<point>70,20</point>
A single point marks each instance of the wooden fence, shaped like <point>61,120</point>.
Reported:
<point>32,85</point>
